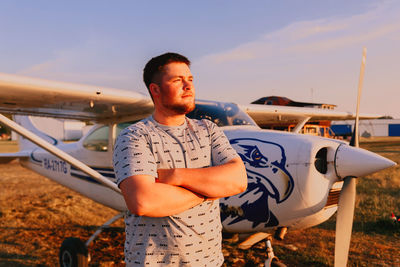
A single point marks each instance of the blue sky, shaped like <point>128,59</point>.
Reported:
<point>240,50</point>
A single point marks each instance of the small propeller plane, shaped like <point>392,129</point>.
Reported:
<point>294,181</point>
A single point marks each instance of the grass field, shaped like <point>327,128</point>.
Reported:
<point>36,214</point>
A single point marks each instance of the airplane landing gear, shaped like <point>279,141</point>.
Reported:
<point>272,260</point>
<point>73,253</point>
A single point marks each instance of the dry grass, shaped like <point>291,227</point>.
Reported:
<point>36,214</point>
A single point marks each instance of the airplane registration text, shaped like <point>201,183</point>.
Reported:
<point>55,165</point>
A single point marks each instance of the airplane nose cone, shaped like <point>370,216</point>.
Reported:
<point>356,162</point>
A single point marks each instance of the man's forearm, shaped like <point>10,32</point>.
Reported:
<point>217,181</point>
<point>146,198</point>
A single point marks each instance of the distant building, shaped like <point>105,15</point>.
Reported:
<point>377,127</point>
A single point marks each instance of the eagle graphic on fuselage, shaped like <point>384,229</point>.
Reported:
<point>267,178</point>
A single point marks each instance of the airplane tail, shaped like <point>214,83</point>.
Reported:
<point>28,123</point>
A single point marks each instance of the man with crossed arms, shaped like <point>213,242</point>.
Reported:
<point>172,170</point>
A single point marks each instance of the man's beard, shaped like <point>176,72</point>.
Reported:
<point>181,108</point>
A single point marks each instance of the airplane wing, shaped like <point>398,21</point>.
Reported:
<point>272,114</point>
<point>32,96</point>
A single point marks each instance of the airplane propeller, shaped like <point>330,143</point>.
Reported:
<point>345,211</point>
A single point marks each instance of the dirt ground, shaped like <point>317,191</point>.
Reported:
<point>36,215</point>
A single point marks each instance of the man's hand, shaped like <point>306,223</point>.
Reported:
<point>213,182</point>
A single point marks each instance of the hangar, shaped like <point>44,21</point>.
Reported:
<point>368,128</point>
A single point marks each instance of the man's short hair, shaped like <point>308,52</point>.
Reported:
<point>155,66</point>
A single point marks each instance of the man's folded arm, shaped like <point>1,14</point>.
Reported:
<point>145,197</point>
<point>217,181</point>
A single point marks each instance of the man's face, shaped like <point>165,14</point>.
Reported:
<point>176,88</point>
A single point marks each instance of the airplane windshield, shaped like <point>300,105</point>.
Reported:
<point>222,114</point>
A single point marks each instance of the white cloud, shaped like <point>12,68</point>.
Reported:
<point>317,35</point>
<point>323,54</point>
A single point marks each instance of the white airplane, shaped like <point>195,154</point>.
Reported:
<point>294,181</point>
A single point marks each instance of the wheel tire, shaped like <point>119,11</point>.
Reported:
<point>277,263</point>
<point>73,253</point>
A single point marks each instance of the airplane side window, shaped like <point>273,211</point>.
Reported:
<point>97,140</point>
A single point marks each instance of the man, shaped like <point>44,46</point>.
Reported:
<point>171,171</point>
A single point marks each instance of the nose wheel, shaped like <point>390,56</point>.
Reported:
<point>73,253</point>
<point>272,260</point>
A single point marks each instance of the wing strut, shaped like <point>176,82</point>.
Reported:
<point>58,153</point>
<point>300,124</point>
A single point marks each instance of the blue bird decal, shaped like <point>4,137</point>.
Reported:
<point>268,178</point>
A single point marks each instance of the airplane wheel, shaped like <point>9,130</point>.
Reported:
<point>277,263</point>
<point>73,253</point>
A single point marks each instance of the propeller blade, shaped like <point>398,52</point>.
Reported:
<point>344,221</point>
<point>345,211</point>
<point>354,137</point>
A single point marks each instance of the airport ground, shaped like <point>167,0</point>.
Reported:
<point>36,215</point>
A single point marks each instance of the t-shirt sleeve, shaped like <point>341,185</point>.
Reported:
<point>132,155</point>
<point>221,150</point>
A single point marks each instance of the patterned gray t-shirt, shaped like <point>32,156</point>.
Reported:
<point>192,237</point>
